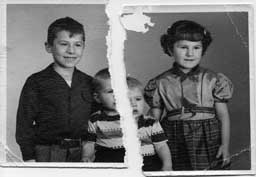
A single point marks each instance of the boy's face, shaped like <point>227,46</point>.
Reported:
<point>187,54</point>
<point>67,49</point>
<point>105,96</point>
<point>137,101</point>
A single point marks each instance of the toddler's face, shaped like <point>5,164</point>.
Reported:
<point>187,54</point>
<point>137,101</point>
<point>105,96</point>
<point>67,50</point>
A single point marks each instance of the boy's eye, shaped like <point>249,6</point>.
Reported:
<point>109,91</point>
<point>138,98</point>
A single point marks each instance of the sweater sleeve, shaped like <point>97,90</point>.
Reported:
<point>157,133</point>
<point>26,115</point>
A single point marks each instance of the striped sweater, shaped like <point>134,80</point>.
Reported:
<point>106,131</point>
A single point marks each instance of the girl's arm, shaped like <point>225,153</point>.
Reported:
<point>223,115</point>
<point>88,151</point>
<point>164,154</point>
<point>32,160</point>
<point>156,113</point>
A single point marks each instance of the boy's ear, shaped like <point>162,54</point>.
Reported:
<point>48,47</point>
<point>96,97</point>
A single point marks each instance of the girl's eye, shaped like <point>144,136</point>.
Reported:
<point>63,44</point>
<point>183,47</point>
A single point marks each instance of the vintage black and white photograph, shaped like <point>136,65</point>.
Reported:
<point>188,73</point>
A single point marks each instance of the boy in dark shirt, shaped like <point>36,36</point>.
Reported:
<point>56,102</point>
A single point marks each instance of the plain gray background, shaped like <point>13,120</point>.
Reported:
<point>228,53</point>
<point>26,33</point>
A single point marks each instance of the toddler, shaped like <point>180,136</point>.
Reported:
<point>105,135</point>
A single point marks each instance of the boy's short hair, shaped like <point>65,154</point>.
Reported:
<point>104,75</point>
<point>134,83</point>
<point>64,24</point>
<point>185,30</point>
<point>100,75</point>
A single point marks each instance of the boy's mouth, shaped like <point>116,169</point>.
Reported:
<point>70,58</point>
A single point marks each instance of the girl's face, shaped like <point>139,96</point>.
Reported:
<point>187,54</point>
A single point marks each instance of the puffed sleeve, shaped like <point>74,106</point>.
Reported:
<point>223,89</point>
<point>152,95</point>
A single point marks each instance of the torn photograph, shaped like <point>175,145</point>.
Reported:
<point>112,88</point>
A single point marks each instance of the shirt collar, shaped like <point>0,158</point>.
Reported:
<point>50,68</point>
<point>110,118</point>
<point>141,121</point>
<point>52,73</point>
<point>176,70</point>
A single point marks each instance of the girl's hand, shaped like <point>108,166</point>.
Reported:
<point>167,167</point>
<point>86,159</point>
<point>32,160</point>
<point>224,153</point>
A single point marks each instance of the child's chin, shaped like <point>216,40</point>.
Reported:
<point>136,115</point>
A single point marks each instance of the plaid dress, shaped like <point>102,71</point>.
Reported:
<point>195,137</point>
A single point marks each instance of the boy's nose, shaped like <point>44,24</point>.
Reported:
<point>70,49</point>
<point>133,103</point>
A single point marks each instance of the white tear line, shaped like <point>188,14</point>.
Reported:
<point>115,42</point>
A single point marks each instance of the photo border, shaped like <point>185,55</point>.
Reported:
<point>34,167</point>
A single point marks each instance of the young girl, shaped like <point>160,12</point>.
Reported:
<point>193,98</point>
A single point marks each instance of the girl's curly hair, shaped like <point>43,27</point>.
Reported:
<point>185,30</point>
